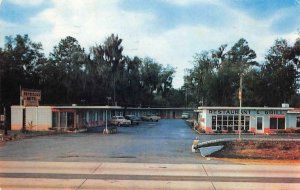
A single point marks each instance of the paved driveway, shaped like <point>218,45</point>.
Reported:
<point>166,141</point>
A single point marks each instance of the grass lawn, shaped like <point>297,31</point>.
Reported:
<point>270,150</point>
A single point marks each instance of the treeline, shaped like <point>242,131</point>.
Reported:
<point>71,75</point>
<point>104,75</point>
<point>215,78</point>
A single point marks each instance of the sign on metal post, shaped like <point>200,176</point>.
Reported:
<point>240,94</point>
<point>30,97</point>
<point>2,118</point>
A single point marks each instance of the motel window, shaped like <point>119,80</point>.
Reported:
<point>63,119</point>
<point>277,123</point>
<point>55,119</point>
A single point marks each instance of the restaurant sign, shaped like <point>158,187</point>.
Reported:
<point>235,112</point>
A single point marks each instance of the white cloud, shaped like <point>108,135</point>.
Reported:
<point>258,32</point>
<point>189,2</point>
<point>91,21</point>
<point>26,3</point>
<point>6,29</point>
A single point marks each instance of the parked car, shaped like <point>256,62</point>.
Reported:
<point>134,119</point>
<point>185,116</point>
<point>119,120</point>
<point>151,117</point>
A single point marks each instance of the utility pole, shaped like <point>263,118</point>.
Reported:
<point>240,98</point>
<point>114,90</point>
<point>186,97</point>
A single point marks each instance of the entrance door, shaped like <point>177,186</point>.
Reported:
<point>259,124</point>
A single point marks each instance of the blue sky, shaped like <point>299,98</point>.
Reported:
<point>169,31</point>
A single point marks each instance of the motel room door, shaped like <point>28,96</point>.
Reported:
<point>259,124</point>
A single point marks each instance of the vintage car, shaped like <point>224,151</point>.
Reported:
<point>119,120</point>
<point>134,119</point>
<point>150,117</point>
<point>185,115</point>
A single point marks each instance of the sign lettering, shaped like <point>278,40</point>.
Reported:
<point>30,97</point>
<point>245,112</point>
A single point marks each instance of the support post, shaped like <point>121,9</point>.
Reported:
<point>5,122</point>
<point>36,118</point>
<point>66,120</point>
<point>75,120</point>
<point>106,130</point>
<point>23,119</point>
<point>59,126</point>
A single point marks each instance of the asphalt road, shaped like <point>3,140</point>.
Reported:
<point>166,141</point>
<point>98,175</point>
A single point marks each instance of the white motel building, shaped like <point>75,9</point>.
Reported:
<point>44,118</point>
<point>253,119</point>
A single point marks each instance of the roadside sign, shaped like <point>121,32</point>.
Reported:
<point>2,118</point>
<point>30,97</point>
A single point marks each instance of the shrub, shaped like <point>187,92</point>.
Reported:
<point>242,145</point>
<point>246,131</point>
<point>284,147</point>
<point>264,145</point>
<point>290,130</point>
<point>297,130</point>
<point>280,131</point>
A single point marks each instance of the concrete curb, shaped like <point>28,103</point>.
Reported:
<point>206,152</point>
<point>247,139</point>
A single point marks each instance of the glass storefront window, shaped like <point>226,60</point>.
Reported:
<point>281,123</point>
<point>247,122</point>
<point>273,123</point>
<point>277,123</point>
<point>230,122</point>
<point>214,122</point>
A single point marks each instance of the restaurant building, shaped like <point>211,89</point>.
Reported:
<point>248,119</point>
